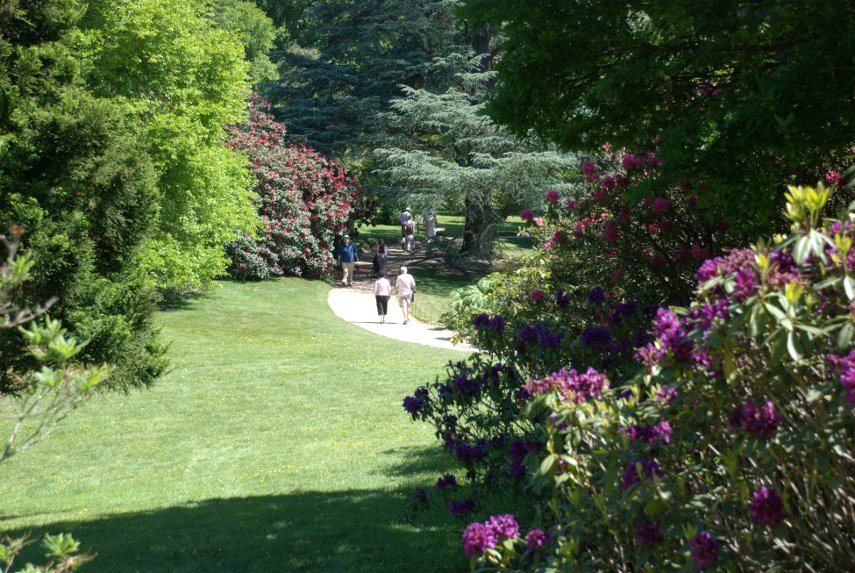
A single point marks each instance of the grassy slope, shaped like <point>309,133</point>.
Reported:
<point>277,443</point>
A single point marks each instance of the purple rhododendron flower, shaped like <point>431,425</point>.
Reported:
<point>504,526</point>
<point>704,549</point>
<point>649,355</point>
<point>481,321</point>
<point>468,453</point>
<point>672,334</point>
<point>496,324</point>
<point>527,333</point>
<point>762,421</point>
<point>630,161</point>
<point>846,365</point>
<point>660,204</point>
<point>412,405</point>
<point>655,433</point>
<point>648,468</point>
<point>459,508</point>
<point>597,295</point>
<point>536,295</point>
<point>648,532</point>
<point>596,336</point>
<point>666,394</point>
<point>447,481</point>
<point>527,215</point>
<point>421,393</point>
<point>537,539</point>
<point>477,538</point>
<point>562,299</point>
<point>582,386</point>
<point>588,168</point>
<point>766,507</point>
<point>552,196</point>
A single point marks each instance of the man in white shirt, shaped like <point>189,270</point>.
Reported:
<point>406,287</point>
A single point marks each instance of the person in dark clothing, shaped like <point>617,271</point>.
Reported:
<point>347,257</point>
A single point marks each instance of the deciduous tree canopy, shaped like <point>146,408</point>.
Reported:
<point>744,95</point>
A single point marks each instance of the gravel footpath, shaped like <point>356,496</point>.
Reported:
<point>358,306</point>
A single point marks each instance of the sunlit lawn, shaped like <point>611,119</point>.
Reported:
<point>276,443</point>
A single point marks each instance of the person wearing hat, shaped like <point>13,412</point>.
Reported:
<point>347,257</point>
<point>406,287</point>
<point>405,216</point>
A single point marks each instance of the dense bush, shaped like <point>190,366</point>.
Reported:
<point>304,200</point>
<point>76,175</point>
<point>733,448</point>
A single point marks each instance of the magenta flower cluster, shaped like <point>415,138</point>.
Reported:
<point>846,366</point>
<point>637,469</point>
<point>648,532</point>
<point>704,549</point>
<point>766,507</point>
<point>659,433</point>
<point>478,537</point>
<point>579,387</point>
<point>760,420</point>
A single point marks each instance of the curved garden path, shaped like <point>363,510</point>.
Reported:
<point>357,305</point>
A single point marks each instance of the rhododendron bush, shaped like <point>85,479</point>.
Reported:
<point>305,200</point>
<point>732,449</point>
<point>567,307</point>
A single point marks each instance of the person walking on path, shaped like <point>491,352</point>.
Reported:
<point>405,216</point>
<point>347,257</point>
<point>409,237</point>
<point>382,292</point>
<point>382,253</point>
<point>406,287</point>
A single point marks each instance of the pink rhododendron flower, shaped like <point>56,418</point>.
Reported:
<point>527,215</point>
<point>629,162</point>
<point>660,205</point>
<point>832,177</point>
<point>552,196</point>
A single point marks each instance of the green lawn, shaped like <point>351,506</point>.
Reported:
<point>276,443</point>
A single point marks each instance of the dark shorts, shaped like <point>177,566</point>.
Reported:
<point>382,304</point>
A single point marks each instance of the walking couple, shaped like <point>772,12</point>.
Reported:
<point>406,287</point>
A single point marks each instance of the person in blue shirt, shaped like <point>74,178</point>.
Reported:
<point>347,257</point>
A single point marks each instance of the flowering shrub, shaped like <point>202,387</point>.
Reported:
<point>734,448</point>
<point>304,200</point>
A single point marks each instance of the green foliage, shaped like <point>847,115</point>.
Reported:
<point>78,180</point>
<point>466,303</point>
<point>257,33</point>
<point>733,449</point>
<point>351,57</point>
<point>61,553</point>
<point>740,94</point>
<point>183,79</point>
<point>445,154</point>
<point>42,398</point>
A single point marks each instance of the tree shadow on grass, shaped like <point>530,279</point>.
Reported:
<point>352,531</point>
<point>415,461</point>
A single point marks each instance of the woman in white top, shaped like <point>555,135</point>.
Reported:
<point>382,292</point>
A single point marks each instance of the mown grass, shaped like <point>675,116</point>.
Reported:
<point>276,443</point>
